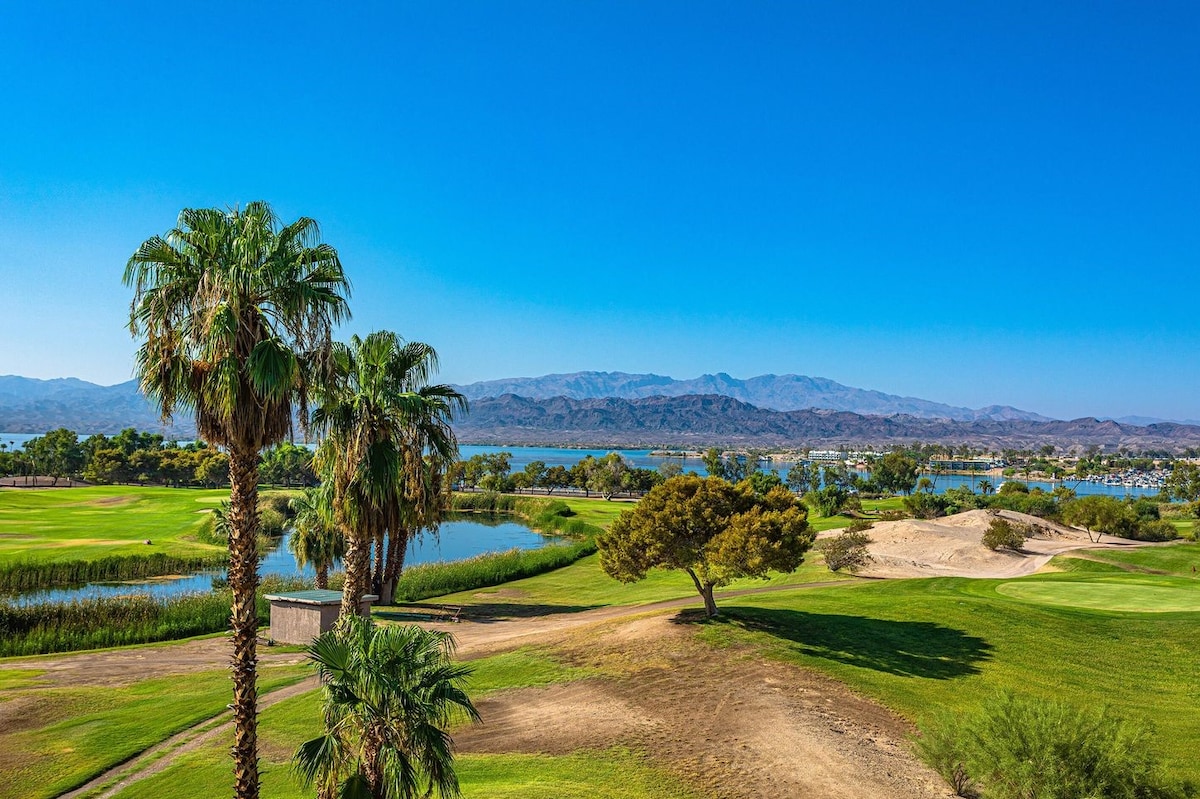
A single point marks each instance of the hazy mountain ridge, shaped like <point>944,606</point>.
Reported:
<point>703,420</point>
<point>775,392</point>
<point>28,405</point>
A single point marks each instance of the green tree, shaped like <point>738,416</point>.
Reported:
<point>233,310</point>
<point>556,477</point>
<point>798,479</point>
<point>1099,515</point>
<point>388,699</point>
<point>1183,483</point>
<point>607,475</point>
<point>896,473</point>
<point>709,529</point>
<point>315,538</point>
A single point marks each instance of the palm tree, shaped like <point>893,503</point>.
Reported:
<point>985,487</point>
<point>314,538</point>
<point>381,421</point>
<point>235,311</point>
<point>389,694</point>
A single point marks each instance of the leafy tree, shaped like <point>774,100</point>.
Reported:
<point>535,473</point>
<point>798,479</point>
<point>581,474</point>
<point>669,469</point>
<point>556,477</point>
<point>985,487</point>
<point>896,472</point>
<point>830,500</point>
<point>607,475</point>
<point>234,310</point>
<point>709,529</point>
<point>761,483</point>
<point>1098,515</point>
<point>1183,483</point>
<point>388,699</point>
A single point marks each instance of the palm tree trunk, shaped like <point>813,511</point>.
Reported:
<point>323,575</point>
<point>377,571</point>
<point>243,580</point>
<point>397,549</point>
<point>358,572</point>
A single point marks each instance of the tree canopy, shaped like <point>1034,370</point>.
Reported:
<point>710,529</point>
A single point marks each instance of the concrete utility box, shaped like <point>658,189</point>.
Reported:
<point>297,617</point>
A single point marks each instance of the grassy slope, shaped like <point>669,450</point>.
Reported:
<point>87,523</point>
<point>73,734</point>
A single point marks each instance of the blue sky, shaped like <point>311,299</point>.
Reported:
<point>971,203</point>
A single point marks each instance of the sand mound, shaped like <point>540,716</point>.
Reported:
<point>952,547</point>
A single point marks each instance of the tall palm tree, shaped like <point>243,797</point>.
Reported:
<point>389,694</point>
<point>235,311</point>
<point>379,418</point>
<point>315,539</point>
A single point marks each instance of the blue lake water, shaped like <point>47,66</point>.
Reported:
<point>457,539</point>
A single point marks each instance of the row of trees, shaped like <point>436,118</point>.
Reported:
<point>147,459</point>
<point>606,476</point>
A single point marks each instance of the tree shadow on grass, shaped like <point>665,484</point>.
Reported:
<point>904,648</point>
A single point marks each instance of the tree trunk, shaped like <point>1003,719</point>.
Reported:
<point>358,572</point>
<point>377,571</point>
<point>710,605</point>
<point>323,575</point>
<point>243,581</point>
<point>706,592</point>
<point>397,549</point>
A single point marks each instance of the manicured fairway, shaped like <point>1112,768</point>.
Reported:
<point>1114,595</point>
<point>947,644</point>
<point>101,521</point>
<point>1176,558</point>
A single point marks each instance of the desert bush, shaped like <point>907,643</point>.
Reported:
<point>1026,748</point>
<point>924,505</point>
<point>1004,534</point>
<point>1157,530</point>
<point>892,515</point>
<point>847,551</point>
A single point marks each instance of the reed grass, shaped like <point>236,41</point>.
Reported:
<point>31,575</point>
<point>119,621</point>
<point>492,568</point>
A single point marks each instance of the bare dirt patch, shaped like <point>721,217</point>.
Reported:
<point>726,721</point>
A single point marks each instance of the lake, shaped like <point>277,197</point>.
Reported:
<point>459,538</point>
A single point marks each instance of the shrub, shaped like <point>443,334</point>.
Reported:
<point>1025,748</point>
<point>1004,534</point>
<point>1157,530</point>
<point>924,505</point>
<point>892,515</point>
<point>847,551</point>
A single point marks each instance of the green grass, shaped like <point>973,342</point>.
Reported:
<point>1109,594</point>
<point>100,521</point>
<point>947,644</point>
<point>614,774</point>
<point>72,734</point>
<point>870,508</point>
<point>1177,558</point>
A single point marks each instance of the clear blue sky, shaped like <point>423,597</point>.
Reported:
<point>970,202</point>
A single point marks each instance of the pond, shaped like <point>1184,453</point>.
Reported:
<point>463,536</point>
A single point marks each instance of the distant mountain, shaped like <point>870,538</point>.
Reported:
<point>706,420</point>
<point>775,392</point>
<point>28,405</point>
<point>1149,420</point>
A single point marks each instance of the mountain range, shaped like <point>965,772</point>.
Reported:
<point>587,408</point>
<point>773,392</point>
<point>700,420</point>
